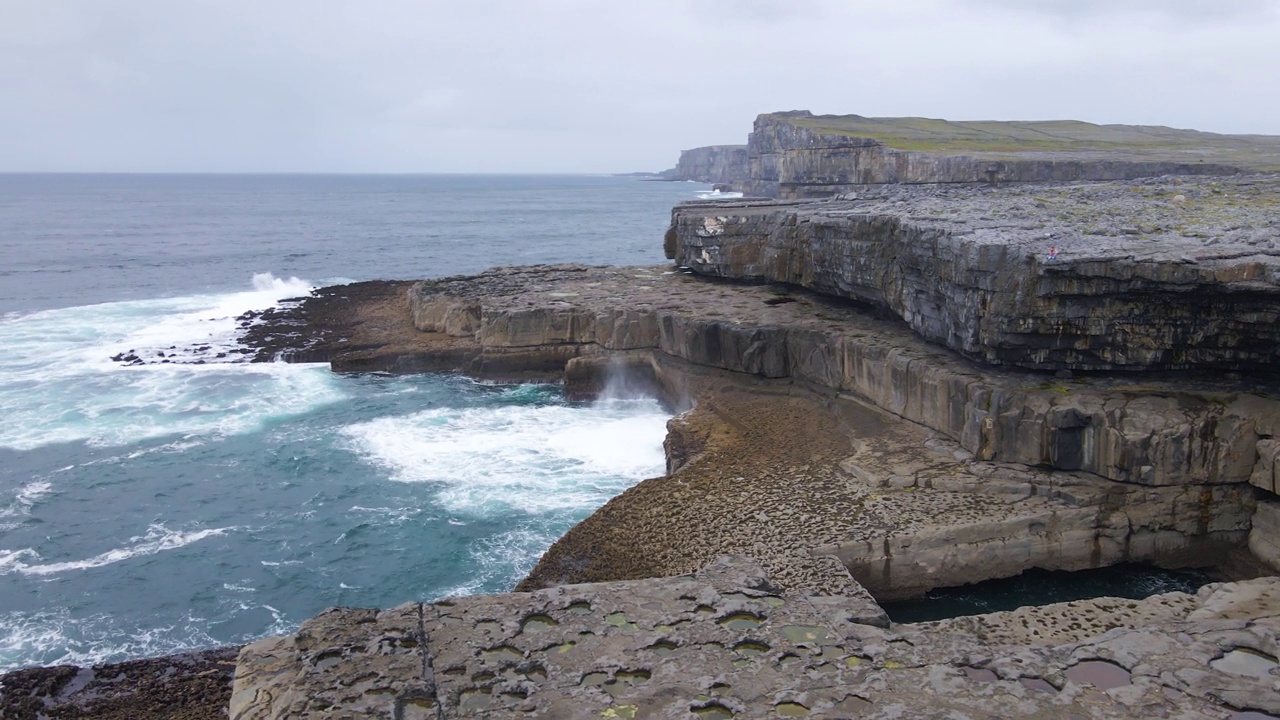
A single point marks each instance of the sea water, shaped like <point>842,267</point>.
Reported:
<point>152,509</point>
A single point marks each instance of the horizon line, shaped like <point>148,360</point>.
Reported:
<point>326,172</point>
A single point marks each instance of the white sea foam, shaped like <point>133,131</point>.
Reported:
<point>57,637</point>
<point>157,539</point>
<point>31,493</point>
<point>527,458</point>
<point>59,384</point>
<point>11,560</point>
<point>24,498</point>
<point>496,562</point>
<point>718,195</point>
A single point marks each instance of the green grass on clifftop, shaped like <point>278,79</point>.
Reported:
<point>1072,137</point>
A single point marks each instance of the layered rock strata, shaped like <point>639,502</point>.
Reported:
<point>1157,275</point>
<point>713,164</point>
<point>878,448</point>
<point>726,643</point>
<point>800,155</point>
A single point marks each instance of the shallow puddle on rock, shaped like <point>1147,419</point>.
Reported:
<point>980,674</point>
<point>325,660</point>
<point>713,712</point>
<point>534,623</point>
<point>805,634</point>
<point>633,677</point>
<point>503,652</point>
<point>790,709</point>
<point>594,678</point>
<point>852,704</point>
<point>474,699</point>
<point>1246,661</point>
<point>1035,683</point>
<point>1100,674</point>
<point>619,620</point>
<point>741,621</point>
<point>662,648</point>
<point>828,653</point>
<point>750,647</point>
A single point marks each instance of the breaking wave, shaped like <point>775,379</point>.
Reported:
<point>157,539</point>
<point>527,459</point>
<point>59,383</point>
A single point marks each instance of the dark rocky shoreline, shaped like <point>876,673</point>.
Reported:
<point>189,686</point>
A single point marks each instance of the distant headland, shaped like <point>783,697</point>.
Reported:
<point>801,155</point>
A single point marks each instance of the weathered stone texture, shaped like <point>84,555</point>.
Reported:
<point>1141,282</point>
<point>1264,535</point>
<point>725,643</point>
<point>342,663</point>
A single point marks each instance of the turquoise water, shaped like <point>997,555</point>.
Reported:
<point>151,509</point>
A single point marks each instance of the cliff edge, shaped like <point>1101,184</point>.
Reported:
<point>1159,274</point>
<point>801,155</point>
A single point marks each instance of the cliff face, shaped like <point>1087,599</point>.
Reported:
<point>799,155</point>
<point>713,164</point>
<point>1154,276</point>
<point>1149,433</point>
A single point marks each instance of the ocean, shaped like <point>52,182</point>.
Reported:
<point>153,509</point>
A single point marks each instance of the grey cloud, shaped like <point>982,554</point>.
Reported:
<point>1170,11</point>
<point>580,85</point>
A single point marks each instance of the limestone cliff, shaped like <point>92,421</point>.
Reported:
<point>1158,275</point>
<point>713,164</point>
<point>799,155</point>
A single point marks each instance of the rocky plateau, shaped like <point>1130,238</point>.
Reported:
<point>1011,359</point>
<point>853,461</point>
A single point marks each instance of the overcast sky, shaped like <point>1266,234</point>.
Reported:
<point>588,85</point>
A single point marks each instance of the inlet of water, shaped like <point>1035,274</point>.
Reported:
<point>1044,587</point>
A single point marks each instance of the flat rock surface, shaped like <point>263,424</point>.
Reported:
<point>726,643</point>
<point>1182,219</point>
<point>331,320</point>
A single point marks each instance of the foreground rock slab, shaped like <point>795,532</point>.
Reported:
<point>725,643</point>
